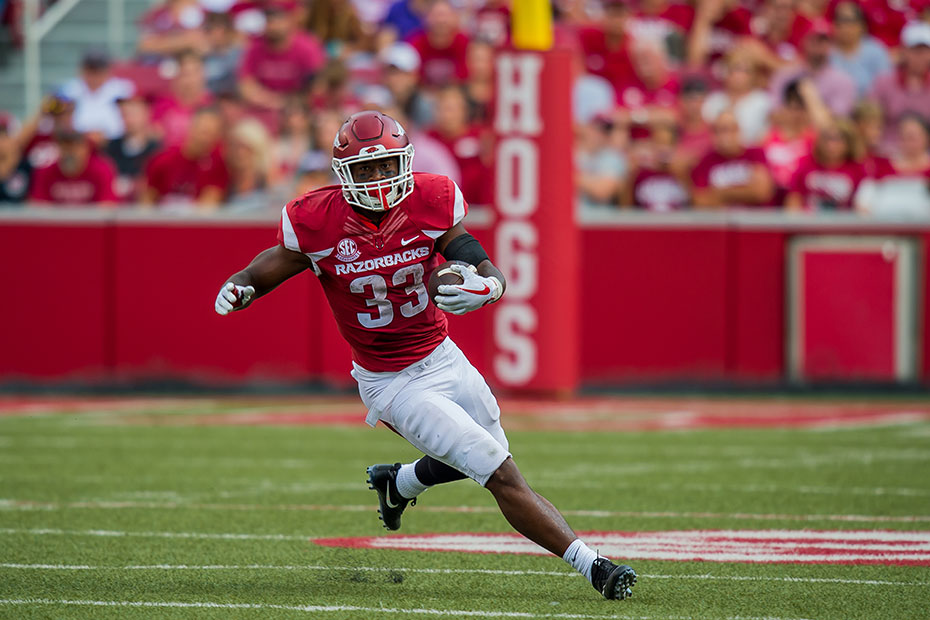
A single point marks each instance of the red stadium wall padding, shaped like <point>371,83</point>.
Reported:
<point>755,305</point>
<point>56,313</point>
<point>118,298</point>
<point>859,287</point>
<point>653,304</point>
<point>166,280</point>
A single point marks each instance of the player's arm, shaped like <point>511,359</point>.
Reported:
<point>484,284</point>
<point>263,274</point>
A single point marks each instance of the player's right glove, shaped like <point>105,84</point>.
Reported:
<point>232,297</point>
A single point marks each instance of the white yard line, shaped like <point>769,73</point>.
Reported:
<point>459,613</point>
<point>27,505</point>
<point>446,571</point>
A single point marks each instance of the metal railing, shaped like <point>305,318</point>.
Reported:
<point>37,23</point>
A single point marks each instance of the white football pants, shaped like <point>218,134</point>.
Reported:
<point>443,407</point>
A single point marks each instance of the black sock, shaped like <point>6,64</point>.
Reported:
<point>429,471</point>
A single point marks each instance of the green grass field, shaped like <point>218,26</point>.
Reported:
<point>170,509</point>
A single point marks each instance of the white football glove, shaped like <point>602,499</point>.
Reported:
<point>474,292</point>
<point>232,297</point>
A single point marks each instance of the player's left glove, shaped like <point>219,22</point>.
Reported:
<point>474,292</point>
<point>232,297</point>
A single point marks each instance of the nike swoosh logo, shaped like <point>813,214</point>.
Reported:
<point>574,557</point>
<point>387,500</point>
<point>409,241</point>
<point>483,291</point>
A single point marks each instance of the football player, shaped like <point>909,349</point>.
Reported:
<point>373,242</point>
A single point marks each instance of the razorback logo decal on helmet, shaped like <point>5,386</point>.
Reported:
<point>372,135</point>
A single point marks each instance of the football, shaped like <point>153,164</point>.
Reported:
<point>443,275</point>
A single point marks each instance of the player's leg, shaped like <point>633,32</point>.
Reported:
<point>398,485</point>
<point>535,517</point>
<point>528,512</point>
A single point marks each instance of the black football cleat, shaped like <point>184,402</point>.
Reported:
<point>383,479</point>
<point>611,580</point>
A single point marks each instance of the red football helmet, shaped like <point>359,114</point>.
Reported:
<point>373,135</point>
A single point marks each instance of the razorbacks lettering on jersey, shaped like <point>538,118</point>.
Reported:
<point>375,277</point>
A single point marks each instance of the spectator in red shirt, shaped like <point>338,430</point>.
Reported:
<point>78,177</point>
<point>36,138</point>
<point>171,28</point>
<point>794,129</point>
<point>605,46</point>
<point>657,178</point>
<point>900,187</point>
<point>907,88</point>
<point>829,178</point>
<point>694,137</point>
<point>884,18</point>
<point>14,170</point>
<point>777,33</point>
<point>442,46</point>
<point>465,141</point>
<point>173,112</point>
<point>651,85</point>
<point>192,173</point>
<point>479,87</point>
<point>280,63</point>
<point>731,175</point>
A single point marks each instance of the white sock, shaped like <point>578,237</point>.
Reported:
<point>580,557</point>
<point>408,485</point>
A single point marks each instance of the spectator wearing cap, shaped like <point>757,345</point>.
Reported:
<point>657,177</point>
<point>401,70</point>
<point>223,54</point>
<point>95,93</point>
<point>491,23</point>
<point>78,177</point>
<point>465,141</point>
<point>442,46</point>
<point>884,18</point>
<point>694,135</point>
<point>828,179</point>
<point>36,138</point>
<point>906,88</point>
<point>730,174</point>
<point>751,105</point>
<point>605,45</point>
<point>314,171</point>
<point>170,28</point>
<point>192,173</point>
<point>131,151</point>
<point>855,52</point>
<point>15,172</point>
<point>836,89</point>
<point>173,112</point>
<point>281,62</point>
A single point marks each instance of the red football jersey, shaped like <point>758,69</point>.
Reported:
<point>375,277</point>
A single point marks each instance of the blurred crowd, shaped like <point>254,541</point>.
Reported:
<point>233,104</point>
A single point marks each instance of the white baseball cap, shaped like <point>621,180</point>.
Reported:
<point>915,34</point>
<point>401,55</point>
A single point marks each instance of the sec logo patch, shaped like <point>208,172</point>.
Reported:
<point>347,251</point>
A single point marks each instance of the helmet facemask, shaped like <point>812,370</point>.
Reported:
<point>382,194</point>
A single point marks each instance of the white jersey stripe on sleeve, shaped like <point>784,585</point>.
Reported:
<point>458,208</point>
<point>290,237</point>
